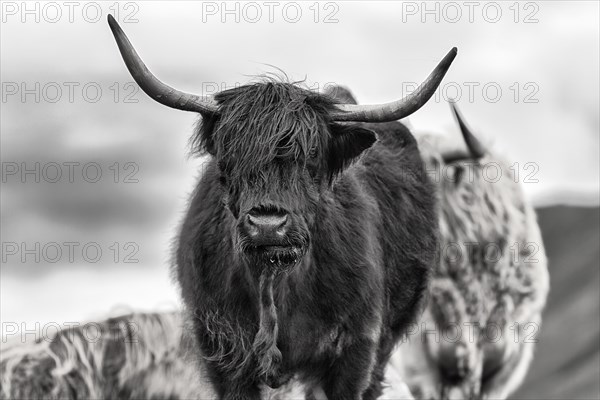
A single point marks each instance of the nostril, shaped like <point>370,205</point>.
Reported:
<point>281,221</point>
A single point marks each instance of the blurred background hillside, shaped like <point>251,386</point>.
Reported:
<point>526,78</point>
<point>567,358</point>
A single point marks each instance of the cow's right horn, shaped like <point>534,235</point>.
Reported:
<point>400,108</point>
<point>151,85</point>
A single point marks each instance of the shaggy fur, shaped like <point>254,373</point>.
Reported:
<point>129,357</point>
<point>363,221</point>
<point>476,338</point>
<point>157,364</point>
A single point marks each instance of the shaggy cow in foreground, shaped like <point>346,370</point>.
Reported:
<point>151,356</point>
<point>477,335</point>
<point>308,242</point>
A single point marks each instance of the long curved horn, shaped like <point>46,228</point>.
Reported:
<point>475,147</point>
<point>153,87</point>
<point>400,108</point>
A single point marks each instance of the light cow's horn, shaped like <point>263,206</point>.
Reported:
<point>400,108</point>
<point>475,147</point>
<point>153,87</point>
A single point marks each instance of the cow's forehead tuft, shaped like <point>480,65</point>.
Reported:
<point>269,122</point>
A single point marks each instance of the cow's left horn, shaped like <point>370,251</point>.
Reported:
<point>153,87</point>
<point>400,108</point>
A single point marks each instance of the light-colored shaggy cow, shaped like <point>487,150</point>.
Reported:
<point>139,356</point>
<point>477,335</point>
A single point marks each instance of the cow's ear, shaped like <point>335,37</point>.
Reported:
<point>202,141</point>
<point>346,144</point>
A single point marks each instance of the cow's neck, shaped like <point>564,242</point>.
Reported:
<point>267,354</point>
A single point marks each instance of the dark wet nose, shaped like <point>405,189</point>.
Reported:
<point>266,227</point>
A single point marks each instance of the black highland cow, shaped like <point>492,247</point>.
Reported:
<point>309,239</point>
